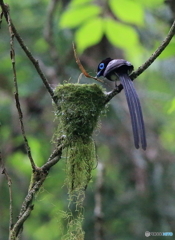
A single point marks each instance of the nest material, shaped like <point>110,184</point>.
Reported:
<point>78,109</point>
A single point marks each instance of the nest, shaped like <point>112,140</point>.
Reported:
<point>78,109</point>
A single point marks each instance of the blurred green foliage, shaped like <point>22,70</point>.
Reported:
<point>138,191</point>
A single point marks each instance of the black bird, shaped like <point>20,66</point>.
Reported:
<point>119,69</point>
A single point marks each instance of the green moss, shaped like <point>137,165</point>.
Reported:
<point>80,162</point>
<point>74,231</point>
<point>78,109</point>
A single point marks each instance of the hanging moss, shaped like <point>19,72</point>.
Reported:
<point>78,109</point>
<point>80,162</point>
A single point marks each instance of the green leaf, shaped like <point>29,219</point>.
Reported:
<point>128,11</point>
<point>20,162</point>
<point>167,137</point>
<point>79,2</point>
<point>75,16</point>
<point>89,34</point>
<point>40,45</point>
<point>151,3</point>
<point>121,35</point>
<point>172,107</point>
<point>38,152</point>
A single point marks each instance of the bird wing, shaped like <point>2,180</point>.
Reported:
<point>116,64</point>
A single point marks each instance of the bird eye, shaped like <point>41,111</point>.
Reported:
<point>101,66</point>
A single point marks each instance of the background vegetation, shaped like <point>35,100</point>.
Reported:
<point>137,186</point>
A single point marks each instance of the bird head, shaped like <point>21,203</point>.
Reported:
<point>102,66</point>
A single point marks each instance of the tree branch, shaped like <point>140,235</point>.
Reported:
<point>9,182</point>
<point>48,31</point>
<point>28,53</point>
<point>155,55</point>
<point>144,66</point>
<point>38,178</point>
<point>18,106</point>
<point>39,174</point>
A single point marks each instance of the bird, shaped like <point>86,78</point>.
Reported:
<point>120,70</point>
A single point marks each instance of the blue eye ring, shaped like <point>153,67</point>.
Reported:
<point>101,66</point>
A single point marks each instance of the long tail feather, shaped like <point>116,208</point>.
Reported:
<point>140,116</point>
<point>135,111</point>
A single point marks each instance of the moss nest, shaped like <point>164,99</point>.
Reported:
<point>78,109</point>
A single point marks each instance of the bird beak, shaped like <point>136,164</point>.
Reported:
<point>98,74</point>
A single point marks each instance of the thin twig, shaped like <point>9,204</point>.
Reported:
<point>144,66</point>
<point>19,224</point>
<point>35,63</point>
<point>54,158</point>
<point>1,16</point>
<point>18,106</point>
<point>9,182</point>
<point>82,68</point>
<point>48,31</point>
<point>39,177</point>
<point>114,92</point>
<point>28,53</point>
<point>58,62</point>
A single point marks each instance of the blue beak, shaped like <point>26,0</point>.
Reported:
<point>98,74</point>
